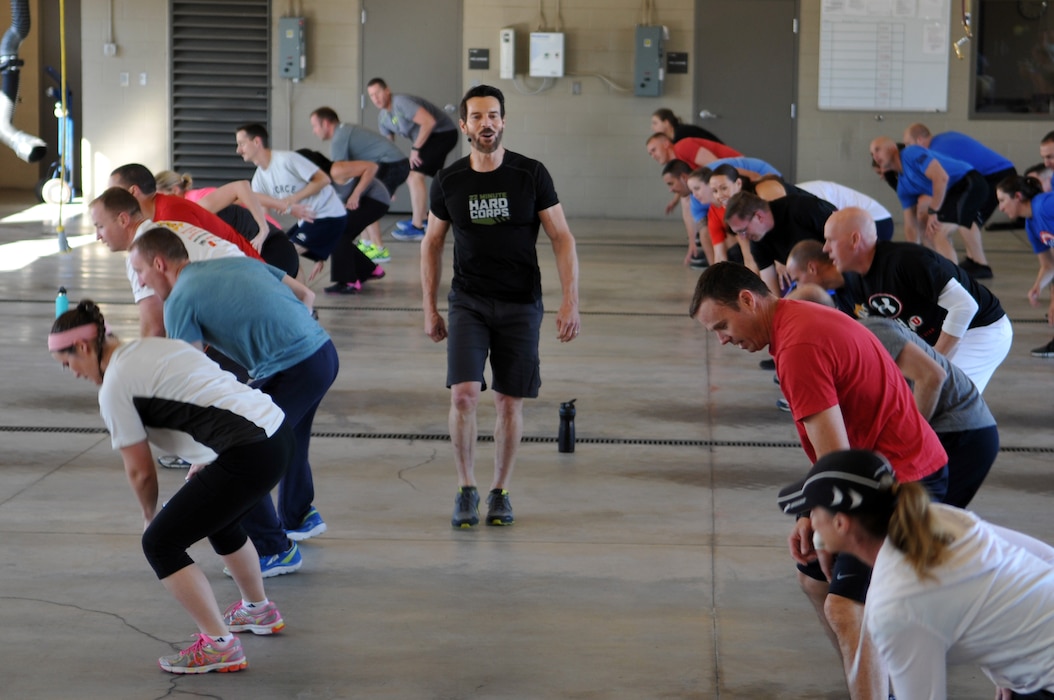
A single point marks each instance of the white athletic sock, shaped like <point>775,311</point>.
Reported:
<point>258,604</point>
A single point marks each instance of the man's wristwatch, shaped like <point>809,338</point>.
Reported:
<point>931,210</point>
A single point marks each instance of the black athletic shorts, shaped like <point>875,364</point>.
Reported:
<point>394,174</point>
<point>508,332</point>
<point>433,154</point>
<point>991,203</point>
<point>963,201</point>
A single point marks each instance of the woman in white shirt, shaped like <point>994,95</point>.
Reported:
<point>168,393</point>
<point>946,586</point>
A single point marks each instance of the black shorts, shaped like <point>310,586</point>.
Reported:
<point>394,174</point>
<point>963,201</point>
<point>433,154</point>
<point>317,238</point>
<point>508,332</point>
<point>991,203</point>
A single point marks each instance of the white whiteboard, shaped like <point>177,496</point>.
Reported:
<point>884,54</point>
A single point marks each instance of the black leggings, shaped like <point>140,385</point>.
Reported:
<point>348,263</point>
<point>213,502</point>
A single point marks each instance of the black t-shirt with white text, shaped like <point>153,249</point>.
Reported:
<point>495,220</point>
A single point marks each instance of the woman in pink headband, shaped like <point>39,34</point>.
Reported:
<point>167,393</point>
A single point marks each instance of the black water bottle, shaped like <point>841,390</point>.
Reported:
<point>566,439</point>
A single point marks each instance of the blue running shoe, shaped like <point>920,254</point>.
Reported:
<point>311,525</point>
<point>410,233</point>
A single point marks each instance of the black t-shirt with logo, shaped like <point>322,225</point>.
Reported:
<point>905,281</point>
<point>495,220</point>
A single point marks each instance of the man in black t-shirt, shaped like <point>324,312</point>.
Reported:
<point>933,296</point>
<point>773,228</point>
<point>495,200</point>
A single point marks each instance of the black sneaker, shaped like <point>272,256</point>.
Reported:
<point>466,507</point>
<point>344,288</point>
<point>976,269</point>
<point>769,365</point>
<point>499,511</point>
<point>1045,351</point>
<point>698,262</point>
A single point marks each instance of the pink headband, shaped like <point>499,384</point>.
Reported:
<point>66,339</point>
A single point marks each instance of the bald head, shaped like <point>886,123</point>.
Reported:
<point>808,264</point>
<point>918,134</point>
<point>849,238</point>
<point>885,153</point>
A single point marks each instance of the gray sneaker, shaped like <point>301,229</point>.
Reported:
<point>499,511</point>
<point>466,507</point>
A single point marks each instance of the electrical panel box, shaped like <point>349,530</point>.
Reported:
<point>292,54</point>
<point>648,73</point>
<point>507,54</point>
<point>547,55</point>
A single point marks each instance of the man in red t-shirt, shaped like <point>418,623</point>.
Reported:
<point>845,391</point>
<point>138,180</point>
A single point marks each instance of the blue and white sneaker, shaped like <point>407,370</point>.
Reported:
<point>286,562</point>
<point>311,525</point>
<point>405,223</point>
<point>410,233</point>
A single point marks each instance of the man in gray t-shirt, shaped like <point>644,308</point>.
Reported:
<point>350,142</point>
<point>433,136</point>
<point>949,400</point>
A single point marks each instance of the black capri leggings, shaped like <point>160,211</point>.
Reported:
<point>213,502</point>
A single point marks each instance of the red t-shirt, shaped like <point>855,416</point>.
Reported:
<point>686,150</point>
<point>715,222</point>
<point>824,358</point>
<point>168,207</point>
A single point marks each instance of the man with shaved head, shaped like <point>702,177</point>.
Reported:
<point>956,192</point>
<point>946,307</point>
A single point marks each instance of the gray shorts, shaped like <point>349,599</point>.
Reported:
<point>508,332</point>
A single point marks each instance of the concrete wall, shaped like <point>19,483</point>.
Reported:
<point>593,143</point>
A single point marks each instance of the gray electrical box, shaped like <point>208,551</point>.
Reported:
<point>292,56</point>
<point>647,61</point>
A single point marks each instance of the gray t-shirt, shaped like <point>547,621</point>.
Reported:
<point>400,118</point>
<point>960,406</point>
<point>352,142</point>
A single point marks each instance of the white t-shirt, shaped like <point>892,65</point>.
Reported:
<point>991,604</point>
<point>288,173</point>
<point>170,393</point>
<point>841,197</point>
<point>200,244</point>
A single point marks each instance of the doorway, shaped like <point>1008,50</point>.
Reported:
<point>420,57</point>
<point>747,94</point>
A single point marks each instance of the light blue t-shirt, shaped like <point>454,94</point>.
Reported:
<point>240,307</point>
<point>746,163</point>
<point>913,182</point>
<point>699,210</point>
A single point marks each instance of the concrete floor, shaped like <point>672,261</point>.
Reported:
<point>651,563</point>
